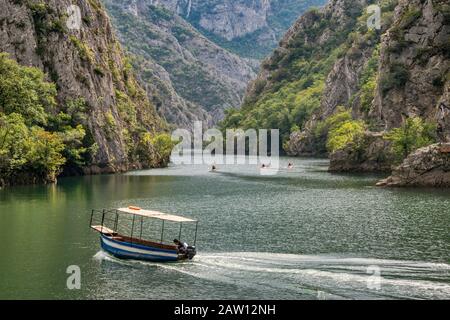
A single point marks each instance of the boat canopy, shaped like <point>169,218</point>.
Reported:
<point>154,214</point>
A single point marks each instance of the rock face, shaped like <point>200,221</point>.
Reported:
<point>249,28</point>
<point>414,65</point>
<point>301,143</point>
<point>426,167</point>
<point>190,78</point>
<point>199,56</point>
<point>87,64</point>
<point>340,15</point>
<point>412,79</point>
<point>384,77</point>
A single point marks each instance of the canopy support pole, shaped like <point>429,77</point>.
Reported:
<point>196,229</point>
<point>181,228</point>
<point>162,232</point>
<point>103,219</point>
<point>132,228</point>
<point>92,217</point>
<point>116,223</point>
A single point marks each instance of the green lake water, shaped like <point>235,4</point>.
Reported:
<point>300,234</point>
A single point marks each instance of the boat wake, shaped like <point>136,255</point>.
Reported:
<point>315,277</point>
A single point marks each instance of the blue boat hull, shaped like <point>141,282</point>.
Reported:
<point>125,250</point>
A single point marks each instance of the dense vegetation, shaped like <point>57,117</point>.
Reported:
<point>340,131</point>
<point>40,138</point>
<point>294,88</point>
<point>412,135</point>
<point>35,139</point>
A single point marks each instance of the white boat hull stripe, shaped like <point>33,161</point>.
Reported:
<point>137,250</point>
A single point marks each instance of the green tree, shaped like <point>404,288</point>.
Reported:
<point>415,133</point>
<point>345,134</point>
<point>45,153</point>
<point>32,150</point>
<point>13,146</point>
<point>155,149</point>
<point>23,90</point>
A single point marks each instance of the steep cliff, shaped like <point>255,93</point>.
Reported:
<point>90,72</point>
<point>199,56</point>
<point>190,77</point>
<point>414,76</point>
<point>305,74</point>
<point>409,73</point>
<point>248,28</point>
<point>412,80</point>
<point>367,97</point>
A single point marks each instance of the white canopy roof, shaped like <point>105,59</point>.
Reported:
<point>155,214</point>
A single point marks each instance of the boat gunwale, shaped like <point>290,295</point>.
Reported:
<point>141,244</point>
<point>125,254</point>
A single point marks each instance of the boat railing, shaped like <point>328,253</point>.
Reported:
<point>108,220</point>
<point>100,218</point>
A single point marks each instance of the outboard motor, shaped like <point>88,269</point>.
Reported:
<point>191,252</point>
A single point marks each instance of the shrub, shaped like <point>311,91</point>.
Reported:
<point>368,94</point>
<point>31,150</point>
<point>23,90</point>
<point>84,51</point>
<point>345,134</point>
<point>323,127</point>
<point>409,17</point>
<point>412,135</point>
<point>397,77</point>
<point>154,150</point>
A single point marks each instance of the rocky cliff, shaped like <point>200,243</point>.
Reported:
<point>309,74</point>
<point>412,80</point>
<point>248,28</point>
<point>88,66</point>
<point>190,78</point>
<point>411,77</point>
<point>199,56</point>
<point>391,78</point>
<point>414,64</point>
<point>344,84</point>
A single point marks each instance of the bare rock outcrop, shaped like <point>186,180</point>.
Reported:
<point>414,65</point>
<point>426,167</point>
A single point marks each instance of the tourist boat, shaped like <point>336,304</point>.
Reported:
<point>122,234</point>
